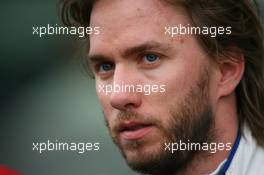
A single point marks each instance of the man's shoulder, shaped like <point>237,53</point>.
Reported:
<point>249,157</point>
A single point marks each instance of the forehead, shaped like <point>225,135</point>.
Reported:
<point>128,22</point>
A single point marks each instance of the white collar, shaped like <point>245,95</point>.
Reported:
<point>248,159</point>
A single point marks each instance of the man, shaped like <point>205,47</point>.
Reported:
<point>213,98</point>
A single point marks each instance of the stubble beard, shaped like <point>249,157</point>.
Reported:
<point>191,121</point>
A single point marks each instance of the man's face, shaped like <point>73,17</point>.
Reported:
<point>132,49</point>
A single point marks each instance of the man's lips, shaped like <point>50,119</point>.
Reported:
<point>134,130</point>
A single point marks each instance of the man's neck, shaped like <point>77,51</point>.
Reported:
<point>226,127</point>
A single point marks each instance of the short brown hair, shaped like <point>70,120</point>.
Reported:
<point>247,35</point>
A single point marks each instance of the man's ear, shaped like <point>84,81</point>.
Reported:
<point>231,70</point>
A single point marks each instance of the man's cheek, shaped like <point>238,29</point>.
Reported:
<point>100,88</point>
<point>108,114</point>
<point>102,97</point>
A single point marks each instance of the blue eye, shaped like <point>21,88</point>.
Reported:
<point>104,67</point>
<point>151,58</point>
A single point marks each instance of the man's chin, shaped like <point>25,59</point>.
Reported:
<point>152,158</point>
<point>142,157</point>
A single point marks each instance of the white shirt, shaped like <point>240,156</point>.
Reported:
<point>248,159</point>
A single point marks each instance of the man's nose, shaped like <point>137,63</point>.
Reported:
<point>126,97</point>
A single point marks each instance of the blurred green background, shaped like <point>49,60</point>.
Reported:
<point>45,95</point>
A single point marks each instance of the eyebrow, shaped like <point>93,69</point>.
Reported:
<point>150,45</point>
<point>98,58</point>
